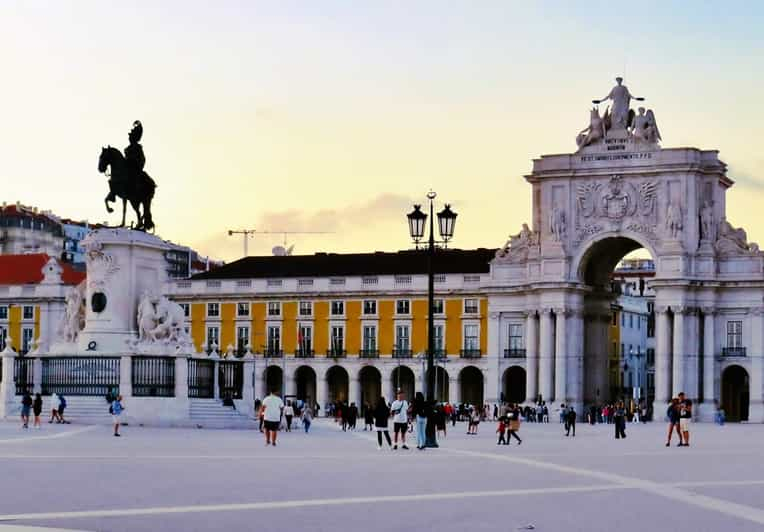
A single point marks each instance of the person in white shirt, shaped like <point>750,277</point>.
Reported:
<point>289,414</point>
<point>272,407</point>
<point>400,412</point>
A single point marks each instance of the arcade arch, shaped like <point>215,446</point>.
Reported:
<point>274,380</point>
<point>441,383</point>
<point>471,383</point>
<point>337,381</point>
<point>403,378</point>
<point>305,384</point>
<point>370,381</point>
<point>735,393</point>
<point>513,384</point>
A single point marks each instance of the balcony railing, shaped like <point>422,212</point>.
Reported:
<point>336,353</point>
<point>273,353</point>
<point>514,353</point>
<point>440,353</point>
<point>304,353</point>
<point>470,353</point>
<point>733,351</point>
<point>368,353</point>
<point>402,353</point>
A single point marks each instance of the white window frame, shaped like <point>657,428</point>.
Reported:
<point>403,302</point>
<point>442,310</point>
<point>374,344</point>
<point>519,339</point>
<point>186,309</point>
<point>372,302</point>
<point>273,309</point>
<point>466,345</point>
<point>333,329</point>
<point>337,302</point>
<point>467,310</point>
<point>4,310</point>
<point>246,305</point>
<point>301,306</point>
<point>734,333</point>
<point>307,327</point>
<point>399,327</point>
<point>24,309</point>
<point>216,306</point>
<point>27,338</point>
<point>439,346</point>
<point>208,339</point>
<point>269,338</point>
<point>248,338</point>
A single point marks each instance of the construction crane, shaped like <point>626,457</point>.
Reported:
<point>247,233</point>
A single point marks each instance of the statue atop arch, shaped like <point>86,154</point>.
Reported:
<point>621,115</point>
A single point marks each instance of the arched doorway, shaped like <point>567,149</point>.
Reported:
<point>274,380</point>
<point>371,386</point>
<point>471,382</point>
<point>441,383</point>
<point>337,381</point>
<point>403,378</point>
<point>513,384</point>
<point>305,384</point>
<point>735,394</point>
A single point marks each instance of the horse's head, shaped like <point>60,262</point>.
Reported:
<point>104,159</point>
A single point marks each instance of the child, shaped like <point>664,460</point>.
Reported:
<point>500,430</point>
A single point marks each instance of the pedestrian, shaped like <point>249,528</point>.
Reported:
<point>344,416</point>
<point>368,417</point>
<point>474,421</point>
<point>570,421</point>
<point>440,420</point>
<point>307,418</point>
<point>563,413</point>
<point>289,415</point>
<point>54,408</point>
<point>501,429</point>
<point>116,409</point>
<point>26,407</point>
<point>419,411</point>
<point>400,411</point>
<point>672,414</point>
<point>272,410</point>
<point>514,425</point>
<point>619,418</point>
<point>685,417</point>
<point>352,416</point>
<point>37,409</point>
<point>261,415</point>
<point>495,411</point>
<point>61,408</point>
<point>381,418</point>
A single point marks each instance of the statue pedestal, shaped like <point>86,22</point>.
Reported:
<point>122,264</point>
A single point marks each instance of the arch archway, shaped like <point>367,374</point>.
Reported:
<point>403,378</point>
<point>513,384</point>
<point>471,383</point>
<point>441,383</point>
<point>305,383</point>
<point>735,393</point>
<point>274,380</point>
<point>337,380</point>
<point>370,381</point>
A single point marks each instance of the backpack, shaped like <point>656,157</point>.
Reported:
<point>62,401</point>
<point>111,409</point>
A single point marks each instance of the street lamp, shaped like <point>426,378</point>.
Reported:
<point>446,223</point>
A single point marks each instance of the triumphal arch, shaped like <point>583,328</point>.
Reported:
<point>621,191</point>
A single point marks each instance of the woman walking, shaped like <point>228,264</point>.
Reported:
<point>26,406</point>
<point>419,411</point>
<point>368,417</point>
<point>381,417</point>
<point>289,414</point>
<point>37,409</point>
<point>514,425</point>
<point>307,418</point>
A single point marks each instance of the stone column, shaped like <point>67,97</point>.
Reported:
<point>7,386</point>
<point>680,354</point>
<point>354,388</point>
<point>290,382</point>
<point>216,377</point>
<point>575,363</point>
<point>388,386</point>
<point>258,368</point>
<point>454,390</point>
<point>706,409</point>
<point>37,374</point>
<point>561,356</point>
<point>756,383</point>
<point>247,390</point>
<point>531,356</point>
<point>322,391</point>
<point>692,354</point>
<point>546,355</point>
<point>126,377</point>
<point>181,376</point>
<point>662,360</point>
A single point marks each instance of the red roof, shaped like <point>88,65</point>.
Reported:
<point>27,269</point>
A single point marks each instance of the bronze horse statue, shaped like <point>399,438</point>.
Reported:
<point>129,183</point>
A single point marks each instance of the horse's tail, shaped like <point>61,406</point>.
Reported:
<point>149,184</point>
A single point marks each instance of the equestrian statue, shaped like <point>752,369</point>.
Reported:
<point>128,180</point>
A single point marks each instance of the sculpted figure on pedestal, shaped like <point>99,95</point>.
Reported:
<point>707,228</point>
<point>518,246</point>
<point>674,220</point>
<point>732,241</point>
<point>620,114</point>
<point>595,131</point>
<point>644,127</point>
<point>557,224</point>
<point>73,320</point>
<point>160,320</point>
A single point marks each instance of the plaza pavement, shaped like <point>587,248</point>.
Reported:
<point>80,477</point>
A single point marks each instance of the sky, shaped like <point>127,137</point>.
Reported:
<point>336,116</point>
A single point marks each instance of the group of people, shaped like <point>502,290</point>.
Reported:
<point>402,413</point>
<point>509,425</point>
<point>33,405</point>
<point>273,413</point>
<point>607,413</point>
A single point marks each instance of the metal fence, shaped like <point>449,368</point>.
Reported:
<point>231,379</point>
<point>201,378</point>
<point>153,376</point>
<point>23,375</point>
<point>91,376</point>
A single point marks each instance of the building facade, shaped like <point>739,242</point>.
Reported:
<point>26,230</point>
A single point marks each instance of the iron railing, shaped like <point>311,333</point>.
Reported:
<point>402,353</point>
<point>470,353</point>
<point>201,378</point>
<point>304,353</point>
<point>336,353</point>
<point>153,376</point>
<point>733,351</point>
<point>514,353</point>
<point>368,353</point>
<point>88,376</point>
<point>273,353</point>
<point>23,375</point>
<point>231,379</point>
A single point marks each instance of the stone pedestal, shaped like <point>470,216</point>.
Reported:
<point>7,386</point>
<point>122,265</point>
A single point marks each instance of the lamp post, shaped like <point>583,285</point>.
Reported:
<point>446,222</point>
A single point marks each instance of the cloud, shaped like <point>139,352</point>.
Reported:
<point>746,179</point>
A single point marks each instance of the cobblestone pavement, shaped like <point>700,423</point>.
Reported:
<point>81,478</point>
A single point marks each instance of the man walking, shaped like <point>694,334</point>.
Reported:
<point>400,411</point>
<point>570,421</point>
<point>116,409</point>
<point>272,407</point>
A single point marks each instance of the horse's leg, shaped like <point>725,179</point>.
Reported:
<point>106,201</point>
<point>124,209</point>
<point>136,207</point>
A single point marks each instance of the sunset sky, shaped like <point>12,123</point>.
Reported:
<point>337,115</point>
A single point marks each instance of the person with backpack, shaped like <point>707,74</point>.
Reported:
<point>61,408</point>
<point>26,407</point>
<point>116,409</point>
